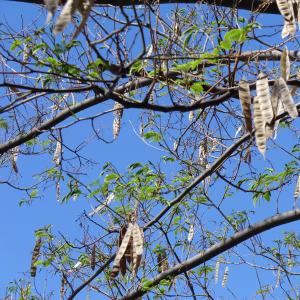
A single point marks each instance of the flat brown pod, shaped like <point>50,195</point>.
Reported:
<point>245,98</point>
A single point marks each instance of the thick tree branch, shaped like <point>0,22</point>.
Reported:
<point>252,5</point>
<point>217,249</point>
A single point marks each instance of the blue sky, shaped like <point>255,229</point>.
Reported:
<point>17,224</point>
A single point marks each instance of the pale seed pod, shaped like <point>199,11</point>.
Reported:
<point>26,53</point>
<point>278,278</point>
<point>297,188</point>
<point>58,151</point>
<point>259,125</point>
<point>35,255</point>
<point>287,100</point>
<point>84,8</point>
<point>225,277</point>
<point>264,98</point>
<point>286,10</point>
<point>118,113</point>
<point>121,251</point>
<point>285,64</point>
<point>137,247</point>
<point>217,270</point>
<point>65,16</point>
<point>191,233</point>
<point>107,201</point>
<point>51,6</point>
<point>245,98</point>
<point>14,157</point>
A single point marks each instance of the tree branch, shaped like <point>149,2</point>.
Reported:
<point>252,5</point>
<point>217,249</point>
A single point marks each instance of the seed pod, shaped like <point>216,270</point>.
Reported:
<point>84,8</point>
<point>51,6</point>
<point>137,247</point>
<point>278,278</point>
<point>259,125</point>
<point>245,98</point>
<point>162,261</point>
<point>121,251</point>
<point>62,287</point>
<point>225,277</point>
<point>35,255</point>
<point>122,233</point>
<point>263,95</point>
<point>108,200</point>
<point>285,64</point>
<point>217,269</point>
<point>14,158</point>
<point>191,233</point>
<point>286,98</point>
<point>93,258</point>
<point>58,151</point>
<point>118,113</point>
<point>286,10</point>
<point>65,16</point>
<point>297,188</point>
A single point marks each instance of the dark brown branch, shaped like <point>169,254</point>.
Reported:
<point>251,5</point>
<point>217,249</point>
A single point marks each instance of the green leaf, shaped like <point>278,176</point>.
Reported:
<point>197,88</point>
<point>226,44</point>
<point>233,35</point>
<point>3,124</point>
<point>153,136</point>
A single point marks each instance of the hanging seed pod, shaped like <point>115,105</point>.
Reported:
<point>122,249</point>
<point>26,53</point>
<point>65,16</point>
<point>286,10</point>
<point>106,202</point>
<point>245,98</point>
<point>62,287</point>
<point>259,125</point>
<point>285,64</point>
<point>51,6</point>
<point>264,98</point>
<point>14,158</point>
<point>297,188</point>
<point>84,8</point>
<point>225,277</point>
<point>191,233</point>
<point>93,258</point>
<point>287,100</point>
<point>202,153</point>
<point>278,278</point>
<point>137,247</point>
<point>122,233</point>
<point>217,270</point>
<point>34,258</point>
<point>58,151</point>
<point>162,261</point>
<point>118,113</point>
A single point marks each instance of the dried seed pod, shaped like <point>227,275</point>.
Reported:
<point>121,251</point>
<point>93,257</point>
<point>217,270</point>
<point>58,151</point>
<point>297,188</point>
<point>65,16</point>
<point>62,287</point>
<point>35,255</point>
<point>162,261</point>
<point>285,64</point>
<point>264,98</point>
<point>14,157</point>
<point>278,278</point>
<point>84,8</point>
<point>259,125</point>
<point>137,247</point>
<point>225,277</point>
<point>202,153</point>
<point>286,10</point>
<point>108,200</point>
<point>51,6</point>
<point>245,98</point>
<point>286,98</point>
<point>118,113</point>
<point>191,233</point>
<point>122,233</point>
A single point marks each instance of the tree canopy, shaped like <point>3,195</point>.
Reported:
<point>209,91</point>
